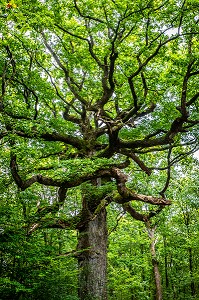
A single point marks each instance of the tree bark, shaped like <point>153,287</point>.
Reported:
<point>157,279</point>
<point>156,272</point>
<point>92,259</point>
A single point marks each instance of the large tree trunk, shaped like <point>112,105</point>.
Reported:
<point>92,259</point>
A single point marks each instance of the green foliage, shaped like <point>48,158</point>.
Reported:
<point>129,261</point>
<point>86,86</point>
<point>130,268</point>
<point>34,268</point>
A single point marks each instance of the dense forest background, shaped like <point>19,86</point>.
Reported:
<point>98,130</point>
<point>43,265</point>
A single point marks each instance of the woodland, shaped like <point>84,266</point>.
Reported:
<point>99,117</point>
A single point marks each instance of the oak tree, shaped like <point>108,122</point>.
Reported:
<point>90,93</point>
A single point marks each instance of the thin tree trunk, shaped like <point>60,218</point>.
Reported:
<point>157,279</point>
<point>193,290</point>
<point>156,272</point>
<point>187,218</point>
<point>166,262</point>
<point>92,259</point>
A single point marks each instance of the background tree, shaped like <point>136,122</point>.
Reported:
<point>130,266</point>
<point>91,92</point>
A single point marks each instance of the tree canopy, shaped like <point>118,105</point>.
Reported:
<point>85,83</point>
